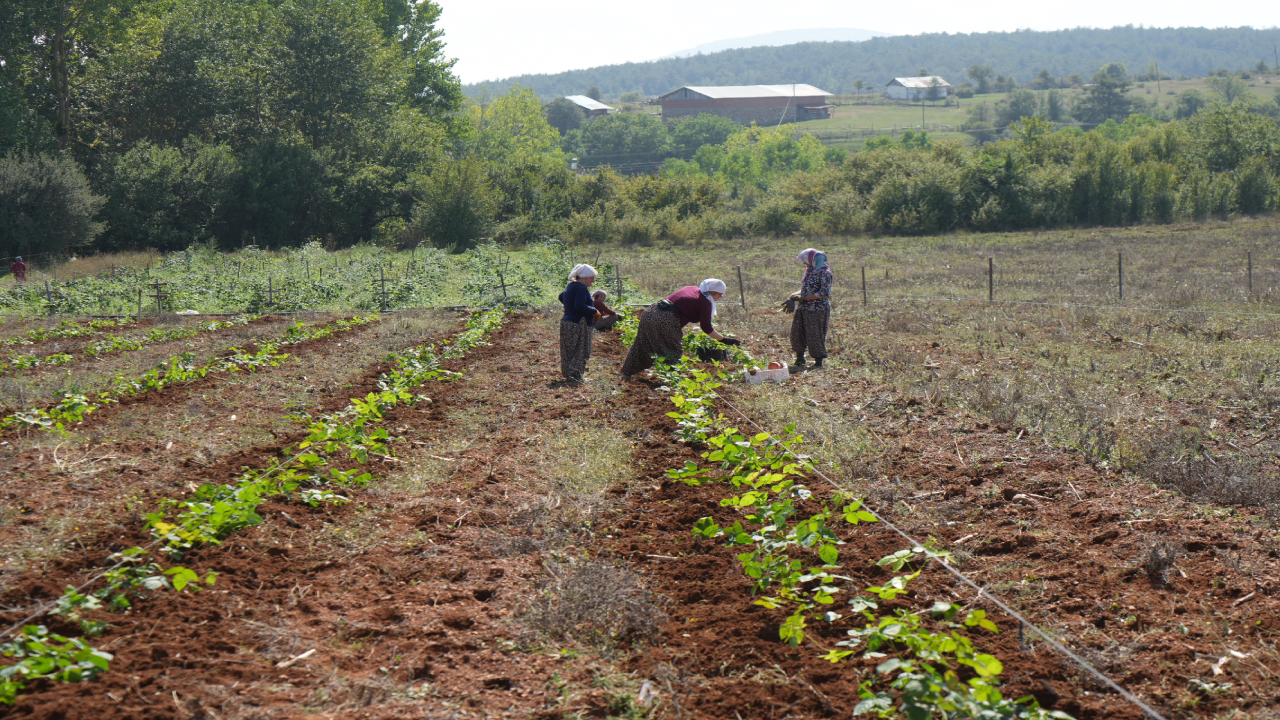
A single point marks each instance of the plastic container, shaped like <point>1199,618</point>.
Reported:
<point>763,375</point>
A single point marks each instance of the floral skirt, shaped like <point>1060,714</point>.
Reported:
<point>575,348</point>
<point>659,334</point>
<point>809,332</point>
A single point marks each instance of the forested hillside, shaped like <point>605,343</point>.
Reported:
<point>835,66</point>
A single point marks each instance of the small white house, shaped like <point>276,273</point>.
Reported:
<point>916,88</point>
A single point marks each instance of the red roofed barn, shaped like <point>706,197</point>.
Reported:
<point>746,104</point>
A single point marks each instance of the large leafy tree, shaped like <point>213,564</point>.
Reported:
<point>1106,99</point>
<point>563,115</point>
<point>47,46</point>
<point>619,134</point>
<point>703,129</point>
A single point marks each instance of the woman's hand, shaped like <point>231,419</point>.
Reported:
<point>796,295</point>
<point>716,335</point>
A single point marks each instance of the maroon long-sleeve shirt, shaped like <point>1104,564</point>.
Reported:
<point>692,306</point>
<point>604,310</point>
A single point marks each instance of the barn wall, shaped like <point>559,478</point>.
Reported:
<point>761,115</point>
<point>762,111</point>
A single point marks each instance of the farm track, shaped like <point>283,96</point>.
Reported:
<point>420,589</point>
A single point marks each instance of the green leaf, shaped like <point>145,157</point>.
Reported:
<point>829,554</point>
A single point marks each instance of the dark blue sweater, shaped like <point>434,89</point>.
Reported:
<point>577,303</point>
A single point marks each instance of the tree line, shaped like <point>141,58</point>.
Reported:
<point>837,66</point>
<point>225,123</point>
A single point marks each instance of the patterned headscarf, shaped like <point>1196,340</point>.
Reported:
<point>814,258</point>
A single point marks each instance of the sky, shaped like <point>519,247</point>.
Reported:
<point>495,39</point>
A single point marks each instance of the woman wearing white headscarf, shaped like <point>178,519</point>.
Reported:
<point>813,309</point>
<point>661,325</point>
<point>576,331</point>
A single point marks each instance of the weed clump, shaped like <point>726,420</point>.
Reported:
<point>1179,461</point>
<point>595,603</point>
<point>1158,559</point>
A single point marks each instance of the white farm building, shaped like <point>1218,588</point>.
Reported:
<point>916,88</point>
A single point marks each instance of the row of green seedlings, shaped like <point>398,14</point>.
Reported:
<point>215,511</point>
<point>66,329</point>
<point>793,564</point>
<point>73,405</point>
<point>16,362</point>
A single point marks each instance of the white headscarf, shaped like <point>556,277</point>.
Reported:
<point>806,255</point>
<point>580,271</point>
<point>709,286</point>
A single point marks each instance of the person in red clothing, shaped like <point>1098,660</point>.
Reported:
<point>662,324</point>
<point>19,270</point>
<point>605,316</point>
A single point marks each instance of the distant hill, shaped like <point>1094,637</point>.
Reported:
<point>834,66</point>
<point>783,37</point>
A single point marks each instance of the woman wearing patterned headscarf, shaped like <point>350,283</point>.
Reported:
<point>809,325</point>
<point>576,331</point>
<point>661,325</point>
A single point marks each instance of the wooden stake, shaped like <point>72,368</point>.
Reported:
<point>1249,257</point>
<point>139,304</point>
<point>864,285</point>
<point>991,279</point>
<point>742,294</point>
<point>617,273</point>
<point>1120,272</point>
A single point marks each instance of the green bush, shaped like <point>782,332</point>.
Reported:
<point>45,203</point>
<point>1203,194</point>
<point>164,197</point>
<point>1255,187</point>
<point>456,205</point>
<point>730,225</point>
<point>776,216</point>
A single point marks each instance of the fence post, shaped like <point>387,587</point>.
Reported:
<point>139,304</point>
<point>1249,259</point>
<point>617,273</point>
<point>742,294</point>
<point>48,295</point>
<point>864,285</point>
<point>991,279</point>
<point>1120,272</point>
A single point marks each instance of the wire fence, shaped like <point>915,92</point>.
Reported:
<point>1248,291</point>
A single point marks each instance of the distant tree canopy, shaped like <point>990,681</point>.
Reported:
<point>618,134</point>
<point>564,115</point>
<point>227,119</point>
<point>836,66</point>
<point>702,129</point>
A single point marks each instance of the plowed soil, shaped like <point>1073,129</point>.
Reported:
<point>414,597</point>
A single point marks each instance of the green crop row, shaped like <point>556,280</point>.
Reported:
<point>215,511</point>
<point>118,343</point>
<point>65,329</point>
<point>72,406</point>
<point>792,560</point>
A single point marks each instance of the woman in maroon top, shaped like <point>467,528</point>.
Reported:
<point>607,317</point>
<point>661,325</point>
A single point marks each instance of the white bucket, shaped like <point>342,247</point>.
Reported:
<point>761,376</point>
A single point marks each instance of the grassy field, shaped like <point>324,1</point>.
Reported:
<point>859,117</point>
<point>1105,465</point>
